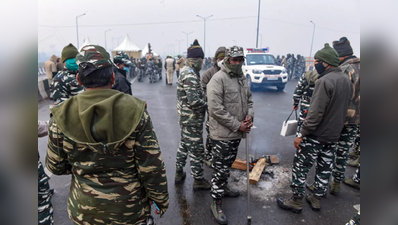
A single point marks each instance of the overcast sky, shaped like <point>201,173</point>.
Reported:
<point>284,24</point>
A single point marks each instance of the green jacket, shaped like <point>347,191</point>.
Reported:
<point>106,140</point>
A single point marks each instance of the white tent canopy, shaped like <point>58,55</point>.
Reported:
<point>86,42</point>
<point>127,46</point>
<point>145,51</point>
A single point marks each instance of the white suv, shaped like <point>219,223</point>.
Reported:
<point>261,70</point>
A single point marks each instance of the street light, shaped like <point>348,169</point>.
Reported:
<point>261,45</point>
<point>313,33</point>
<point>179,49</point>
<point>77,29</point>
<point>187,36</point>
<point>105,38</point>
<point>204,18</point>
<point>258,22</point>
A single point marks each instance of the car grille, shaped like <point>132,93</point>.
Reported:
<point>267,72</point>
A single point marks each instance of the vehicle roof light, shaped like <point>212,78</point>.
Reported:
<point>257,50</point>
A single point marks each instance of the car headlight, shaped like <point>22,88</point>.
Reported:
<point>257,71</point>
<point>284,71</point>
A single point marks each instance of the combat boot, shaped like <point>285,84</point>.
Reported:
<point>201,184</point>
<point>310,187</point>
<point>218,214</point>
<point>208,163</point>
<point>228,192</point>
<point>295,203</point>
<point>350,182</point>
<point>354,163</point>
<point>353,154</point>
<point>180,176</point>
<point>314,201</point>
<point>334,187</point>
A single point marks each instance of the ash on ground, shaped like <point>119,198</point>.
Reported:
<point>274,182</point>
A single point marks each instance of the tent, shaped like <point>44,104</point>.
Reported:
<point>145,51</point>
<point>127,46</point>
<point>86,42</point>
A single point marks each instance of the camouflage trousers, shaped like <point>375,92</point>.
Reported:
<point>302,115</point>
<point>191,143</point>
<point>312,151</point>
<point>357,175</point>
<point>357,143</point>
<point>355,220</point>
<point>208,145</point>
<point>224,154</point>
<point>346,142</point>
<point>152,76</point>
<point>45,207</point>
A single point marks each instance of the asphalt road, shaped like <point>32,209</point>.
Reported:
<point>193,208</point>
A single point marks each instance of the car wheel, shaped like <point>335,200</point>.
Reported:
<point>249,82</point>
<point>281,87</point>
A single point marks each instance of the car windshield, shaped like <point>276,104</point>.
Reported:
<point>259,59</point>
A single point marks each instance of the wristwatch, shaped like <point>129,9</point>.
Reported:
<point>299,135</point>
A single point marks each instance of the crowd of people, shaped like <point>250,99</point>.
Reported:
<point>295,66</point>
<point>104,137</point>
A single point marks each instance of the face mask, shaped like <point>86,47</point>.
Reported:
<point>237,68</point>
<point>196,64</point>
<point>219,63</point>
<point>71,64</point>
<point>320,68</point>
<point>126,69</point>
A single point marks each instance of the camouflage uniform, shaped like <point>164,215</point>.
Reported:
<point>159,65</point>
<point>355,220</point>
<point>191,106</point>
<point>151,71</point>
<point>65,86</point>
<point>300,67</point>
<point>351,125</point>
<point>302,95</point>
<point>290,66</point>
<point>116,165</point>
<point>357,143</point>
<point>45,207</point>
<point>312,151</point>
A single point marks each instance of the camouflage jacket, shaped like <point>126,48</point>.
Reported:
<point>302,94</point>
<point>116,165</point>
<point>191,104</point>
<point>351,67</point>
<point>65,86</point>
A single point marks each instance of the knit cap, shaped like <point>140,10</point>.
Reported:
<point>195,51</point>
<point>69,51</point>
<point>343,47</point>
<point>328,55</point>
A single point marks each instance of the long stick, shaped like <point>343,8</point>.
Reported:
<point>248,184</point>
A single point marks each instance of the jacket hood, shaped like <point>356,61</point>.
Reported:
<point>219,50</point>
<point>54,58</point>
<point>100,118</point>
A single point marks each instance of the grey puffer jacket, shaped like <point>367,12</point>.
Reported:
<point>229,102</point>
<point>208,74</point>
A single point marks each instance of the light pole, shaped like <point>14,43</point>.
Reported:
<point>261,45</point>
<point>204,18</point>
<point>313,33</point>
<point>258,22</point>
<point>77,29</point>
<point>105,38</point>
<point>179,46</point>
<point>187,36</point>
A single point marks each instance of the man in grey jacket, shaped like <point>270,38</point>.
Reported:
<point>231,113</point>
<point>320,131</point>
<point>206,77</point>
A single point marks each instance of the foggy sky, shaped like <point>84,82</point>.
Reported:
<point>284,24</point>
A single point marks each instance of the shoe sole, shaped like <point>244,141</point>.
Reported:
<point>231,196</point>
<point>334,193</point>
<point>219,222</point>
<point>298,211</point>
<point>201,189</point>
<point>358,188</point>
<point>313,208</point>
<point>180,181</point>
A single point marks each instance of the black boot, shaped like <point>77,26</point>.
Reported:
<point>228,192</point>
<point>218,214</point>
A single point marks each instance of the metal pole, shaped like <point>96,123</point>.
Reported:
<point>77,29</point>
<point>179,46</point>
<point>313,33</point>
<point>105,39</point>
<point>248,183</point>
<point>261,45</point>
<point>258,22</point>
<point>187,36</point>
<point>204,18</point>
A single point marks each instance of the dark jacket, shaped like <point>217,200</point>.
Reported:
<point>121,82</point>
<point>330,100</point>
